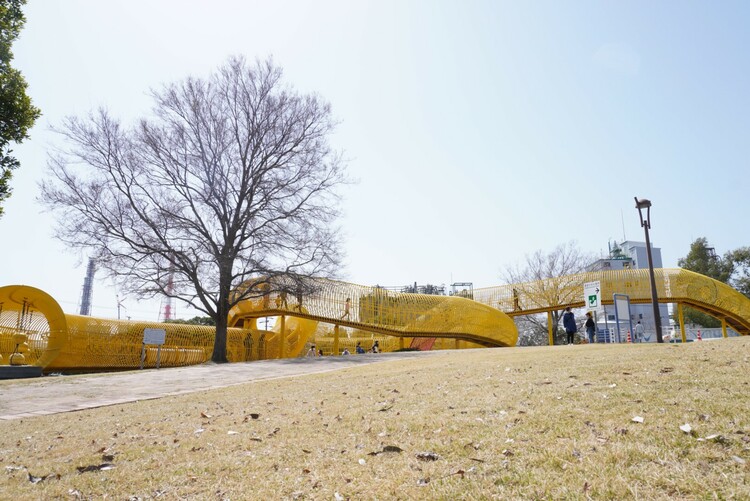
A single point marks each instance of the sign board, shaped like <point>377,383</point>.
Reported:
<point>622,306</point>
<point>622,314</point>
<point>592,293</point>
<point>154,336</point>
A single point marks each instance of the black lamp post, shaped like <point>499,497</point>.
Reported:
<point>641,204</point>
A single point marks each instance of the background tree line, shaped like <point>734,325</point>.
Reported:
<point>733,268</point>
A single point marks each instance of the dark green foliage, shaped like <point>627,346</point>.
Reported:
<point>17,114</point>
<point>693,316</point>
<point>741,278</point>
<point>703,259</point>
<point>194,321</point>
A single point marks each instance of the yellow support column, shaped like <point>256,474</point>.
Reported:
<point>401,343</point>
<point>456,346</point>
<point>549,329</point>
<point>335,340</point>
<point>282,341</point>
<point>681,317</point>
<point>724,327</point>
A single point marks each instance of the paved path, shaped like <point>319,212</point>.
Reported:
<point>53,394</point>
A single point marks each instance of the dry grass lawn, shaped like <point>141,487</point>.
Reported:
<point>531,423</point>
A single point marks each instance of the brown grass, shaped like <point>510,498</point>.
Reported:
<point>533,423</point>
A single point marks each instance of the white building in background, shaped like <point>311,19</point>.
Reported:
<point>626,255</point>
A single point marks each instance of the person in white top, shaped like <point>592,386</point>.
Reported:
<point>639,332</point>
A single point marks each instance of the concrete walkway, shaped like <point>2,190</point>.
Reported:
<point>53,394</point>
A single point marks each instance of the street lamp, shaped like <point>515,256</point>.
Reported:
<point>641,204</point>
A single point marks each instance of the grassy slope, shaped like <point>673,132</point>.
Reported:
<point>551,423</point>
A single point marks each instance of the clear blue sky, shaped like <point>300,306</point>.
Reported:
<point>479,131</point>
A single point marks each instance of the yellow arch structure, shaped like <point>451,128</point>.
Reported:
<point>35,313</point>
<point>57,340</point>
<point>673,285</point>
<point>380,311</point>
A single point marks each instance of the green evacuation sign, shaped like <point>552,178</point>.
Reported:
<point>592,294</point>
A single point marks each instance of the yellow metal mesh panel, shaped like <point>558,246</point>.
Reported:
<point>383,312</point>
<point>34,313</point>
<point>103,343</point>
<point>96,343</point>
<point>59,341</point>
<point>672,286</point>
<point>34,326</point>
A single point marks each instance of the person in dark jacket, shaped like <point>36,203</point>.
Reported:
<point>590,326</point>
<point>569,323</point>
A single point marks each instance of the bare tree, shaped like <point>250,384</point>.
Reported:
<point>231,181</point>
<point>546,279</point>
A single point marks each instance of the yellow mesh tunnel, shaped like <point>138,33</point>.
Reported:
<point>347,313</point>
<point>58,341</point>
<point>379,311</point>
<point>33,312</point>
<point>673,285</point>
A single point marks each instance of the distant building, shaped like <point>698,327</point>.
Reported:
<point>627,255</point>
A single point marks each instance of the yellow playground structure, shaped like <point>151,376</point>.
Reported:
<point>336,316</point>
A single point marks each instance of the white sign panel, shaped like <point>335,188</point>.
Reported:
<point>154,336</point>
<point>592,293</point>
<point>622,305</point>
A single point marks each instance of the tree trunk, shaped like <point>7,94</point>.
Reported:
<point>220,342</point>
<point>222,312</point>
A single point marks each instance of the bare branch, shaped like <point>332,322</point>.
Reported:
<point>544,279</point>
<point>231,179</point>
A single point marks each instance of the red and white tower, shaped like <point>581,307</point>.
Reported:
<point>167,312</point>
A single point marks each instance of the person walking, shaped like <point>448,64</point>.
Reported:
<point>347,308</point>
<point>590,327</point>
<point>281,300</point>
<point>639,332</point>
<point>569,323</point>
<point>516,301</point>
